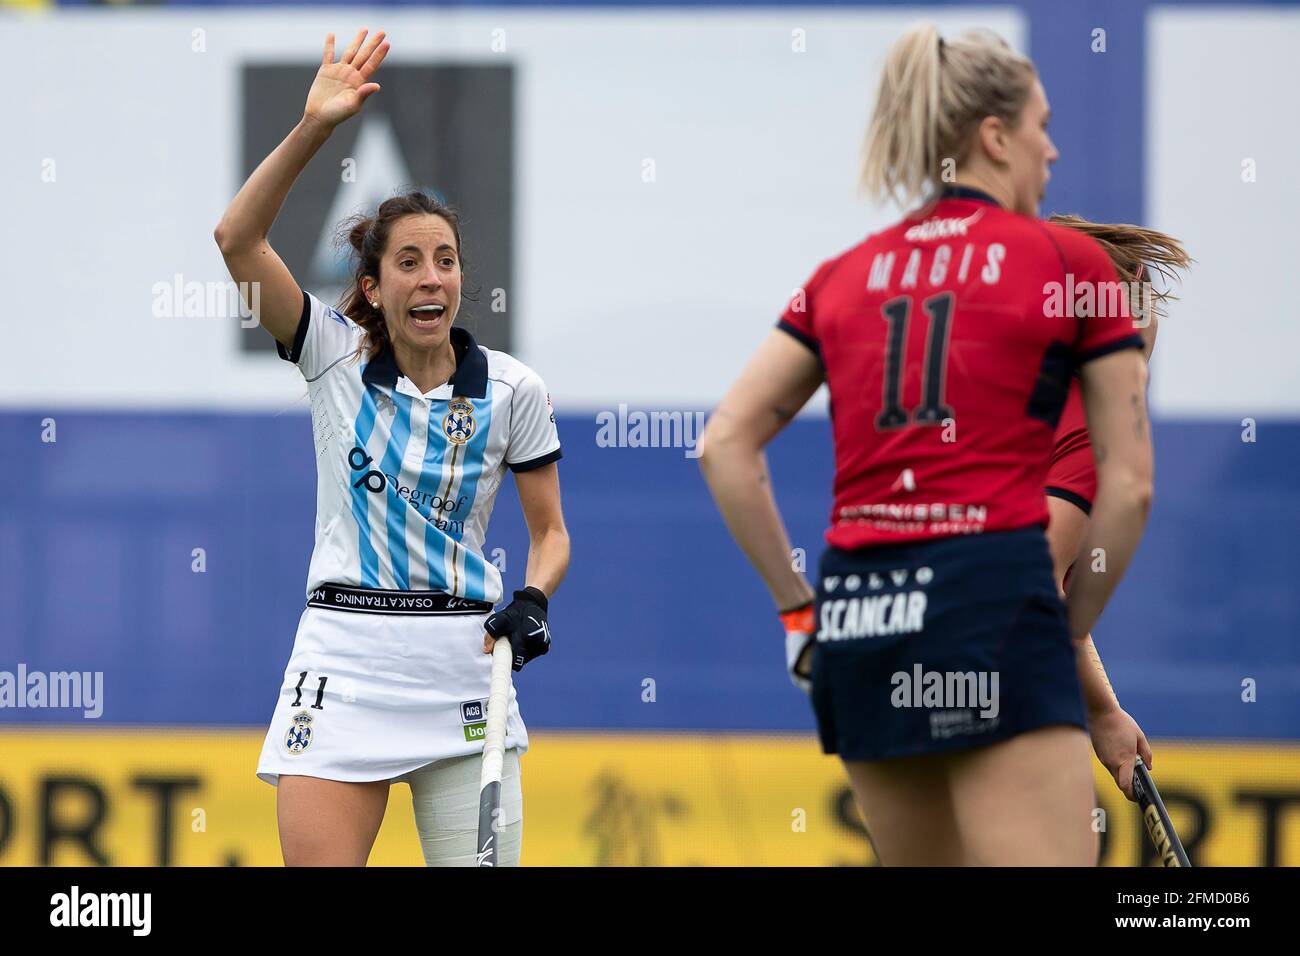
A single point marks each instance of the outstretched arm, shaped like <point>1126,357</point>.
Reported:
<point>338,92</point>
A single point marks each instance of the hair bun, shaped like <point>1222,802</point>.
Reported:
<point>357,234</point>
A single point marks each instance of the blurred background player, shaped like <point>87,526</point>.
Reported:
<point>1135,251</point>
<point>947,374</point>
<point>414,426</point>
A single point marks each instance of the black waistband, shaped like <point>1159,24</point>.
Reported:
<point>343,597</point>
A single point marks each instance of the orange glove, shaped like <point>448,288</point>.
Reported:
<point>799,634</point>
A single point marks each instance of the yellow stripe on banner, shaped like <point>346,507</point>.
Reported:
<point>104,797</point>
<point>742,800</point>
<point>107,797</point>
<point>26,4</point>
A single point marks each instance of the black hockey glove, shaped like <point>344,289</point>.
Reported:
<point>523,623</point>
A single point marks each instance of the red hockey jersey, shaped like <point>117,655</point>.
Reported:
<point>948,342</point>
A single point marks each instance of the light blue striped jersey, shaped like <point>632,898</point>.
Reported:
<point>406,481</point>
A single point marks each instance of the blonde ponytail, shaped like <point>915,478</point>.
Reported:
<point>932,97</point>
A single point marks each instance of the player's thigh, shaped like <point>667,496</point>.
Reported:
<point>328,822</point>
<point>906,805</point>
<point>1027,801</point>
<point>445,798</point>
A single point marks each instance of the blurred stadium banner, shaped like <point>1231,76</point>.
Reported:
<point>189,798</point>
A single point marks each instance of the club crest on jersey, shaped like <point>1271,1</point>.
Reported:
<point>298,738</point>
<point>459,424</point>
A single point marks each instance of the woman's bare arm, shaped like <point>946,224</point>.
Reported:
<point>1114,397</point>
<point>338,92</point>
<point>778,381</point>
<point>548,539</point>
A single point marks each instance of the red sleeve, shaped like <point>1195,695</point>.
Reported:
<point>1100,301</point>
<point>1072,474</point>
<point>799,319</point>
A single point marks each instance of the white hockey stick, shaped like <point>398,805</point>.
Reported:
<point>494,752</point>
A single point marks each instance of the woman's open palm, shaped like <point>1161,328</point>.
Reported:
<point>341,88</point>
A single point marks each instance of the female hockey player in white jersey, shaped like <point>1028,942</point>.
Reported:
<point>414,427</point>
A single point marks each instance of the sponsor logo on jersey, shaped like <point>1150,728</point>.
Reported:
<point>429,504</point>
<point>459,425</point>
<point>940,518</point>
<point>941,228</point>
<point>945,724</point>
<point>475,732</point>
<point>906,481</point>
<point>298,738</point>
<point>473,711</point>
<point>922,576</point>
<point>881,615</point>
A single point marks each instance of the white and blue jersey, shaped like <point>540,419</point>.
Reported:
<point>405,486</point>
<point>406,480</point>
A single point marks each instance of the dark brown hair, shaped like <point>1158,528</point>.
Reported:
<point>1131,248</point>
<point>367,237</point>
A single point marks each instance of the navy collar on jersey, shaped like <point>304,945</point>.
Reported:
<point>469,380</point>
<point>966,192</point>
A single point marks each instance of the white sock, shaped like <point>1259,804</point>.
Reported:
<point>445,797</point>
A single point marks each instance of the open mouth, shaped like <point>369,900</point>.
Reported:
<point>426,316</point>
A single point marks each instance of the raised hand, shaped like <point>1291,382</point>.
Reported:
<point>341,88</point>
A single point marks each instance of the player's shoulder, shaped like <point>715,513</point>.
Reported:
<point>1077,249</point>
<point>829,268</point>
<point>323,311</point>
<point>508,370</point>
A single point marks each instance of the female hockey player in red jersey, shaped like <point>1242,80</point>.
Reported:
<point>1072,479</point>
<point>943,671</point>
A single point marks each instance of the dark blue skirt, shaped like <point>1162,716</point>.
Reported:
<point>941,645</point>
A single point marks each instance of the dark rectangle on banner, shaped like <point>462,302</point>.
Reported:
<point>447,129</point>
